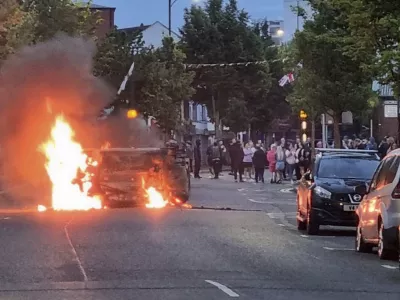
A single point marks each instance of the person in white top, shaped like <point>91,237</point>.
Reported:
<point>291,161</point>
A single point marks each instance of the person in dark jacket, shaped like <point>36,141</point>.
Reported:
<point>259,163</point>
<point>216,159</point>
<point>197,159</point>
<point>236,153</point>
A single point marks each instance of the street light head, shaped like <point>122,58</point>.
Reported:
<point>280,32</point>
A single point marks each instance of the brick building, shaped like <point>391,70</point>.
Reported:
<point>107,15</point>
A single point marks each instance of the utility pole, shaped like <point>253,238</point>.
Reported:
<point>169,16</point>
<point>298,21</point>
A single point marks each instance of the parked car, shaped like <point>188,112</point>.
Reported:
<point>326,195</point>
<point>379,210</point>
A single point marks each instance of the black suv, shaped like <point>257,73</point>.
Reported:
<point>326,195</point>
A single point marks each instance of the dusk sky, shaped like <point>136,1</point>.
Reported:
<point>133,12</point>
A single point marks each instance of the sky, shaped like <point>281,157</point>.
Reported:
<point>131,13</point>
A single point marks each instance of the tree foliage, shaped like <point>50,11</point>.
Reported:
<point>161,83</point>
<point>15,27</point>
<point>67,16</point>
<point>374,36</point>
<point>330,80</point>
<point>221,33</point>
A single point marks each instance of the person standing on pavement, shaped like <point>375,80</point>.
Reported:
<point>280,163</point>
<point>190,155</point>
<point>248,159</point>
<point>197,159</point>
<point>271,157</point>
<point>224,154</point>
<point>259,163</point>
<point>291,161</point>
<point>284,147</point>
<point>216,159</point>
<point>237,155</point>
<point>209,159</point>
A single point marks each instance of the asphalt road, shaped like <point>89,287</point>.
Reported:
<point>252,251</point>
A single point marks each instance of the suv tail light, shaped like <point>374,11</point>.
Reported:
<point>396,191</point>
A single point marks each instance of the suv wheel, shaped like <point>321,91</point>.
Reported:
<point>312,223</point>
<point>361,245</point>
<point>383,251</point>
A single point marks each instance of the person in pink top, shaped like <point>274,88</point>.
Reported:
<point>271,157</point>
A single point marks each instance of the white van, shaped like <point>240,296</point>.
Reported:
<point>379,210</point>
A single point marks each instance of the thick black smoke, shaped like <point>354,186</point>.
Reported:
<point>36,85</point>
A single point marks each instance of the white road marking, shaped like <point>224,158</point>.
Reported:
<point>85,278</point>
<point>223,288</point>
<point>304,236</point>
<point>282,215</point>
<point>271,203</point>
<point>338,249</point>
<point>289,190</point>
<point>283,225</point>
<point>241,190</point>
<point>390,267</point>
<point>6,218</point>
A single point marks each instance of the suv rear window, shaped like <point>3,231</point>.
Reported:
<point>347,167</point>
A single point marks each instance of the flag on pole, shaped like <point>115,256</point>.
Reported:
<point>284,80</point>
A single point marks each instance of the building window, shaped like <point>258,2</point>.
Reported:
<point>194,113</point>
<point>203,113</point>
<point>274,30</point>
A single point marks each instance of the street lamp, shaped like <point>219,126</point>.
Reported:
<point>280,32</point>
<point>170,4</point>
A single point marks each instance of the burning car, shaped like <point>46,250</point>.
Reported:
<point>138,176</point>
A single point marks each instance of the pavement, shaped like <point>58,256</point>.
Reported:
<point>251,250</point>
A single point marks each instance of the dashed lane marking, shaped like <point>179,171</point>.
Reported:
<point>223,288</point>
<point>288,190</point>
<point>282,225</point>
<point>338,249</point>
<point>305,236</point>
<point>390,267</point>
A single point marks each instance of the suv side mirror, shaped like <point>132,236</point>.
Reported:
<point>361,189</point>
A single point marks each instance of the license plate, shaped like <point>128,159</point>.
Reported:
<point>347,207</point>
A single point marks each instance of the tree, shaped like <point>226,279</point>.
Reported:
<point>161,83</point>
<point>67,16</point>
<point>221,34</point>
<point>115,53</point>
<point>15,28</point>
<point>374,39</point>
<point>332,81</point>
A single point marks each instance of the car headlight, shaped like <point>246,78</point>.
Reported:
<point>323,193</point>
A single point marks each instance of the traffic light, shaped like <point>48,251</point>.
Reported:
<point>303,118</point>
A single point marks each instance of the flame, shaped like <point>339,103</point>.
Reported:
<point>156,199</point>
<point>65,162</point>
<point>41,208</point>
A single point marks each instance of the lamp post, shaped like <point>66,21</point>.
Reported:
<point>170,4</point>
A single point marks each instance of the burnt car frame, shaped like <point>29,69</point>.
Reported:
<point>122,175</point>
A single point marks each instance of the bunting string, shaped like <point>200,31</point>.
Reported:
<point>245,64</point>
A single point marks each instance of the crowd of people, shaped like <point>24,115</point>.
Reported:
<point>286,160</point>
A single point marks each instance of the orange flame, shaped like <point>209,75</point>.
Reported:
<point>65,159</point>
<point>41,208</point>
<point>156,199</point>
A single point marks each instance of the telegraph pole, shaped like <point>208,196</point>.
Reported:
<point>169,16</point>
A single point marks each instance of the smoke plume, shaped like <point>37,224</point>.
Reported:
<point>37,84</point>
